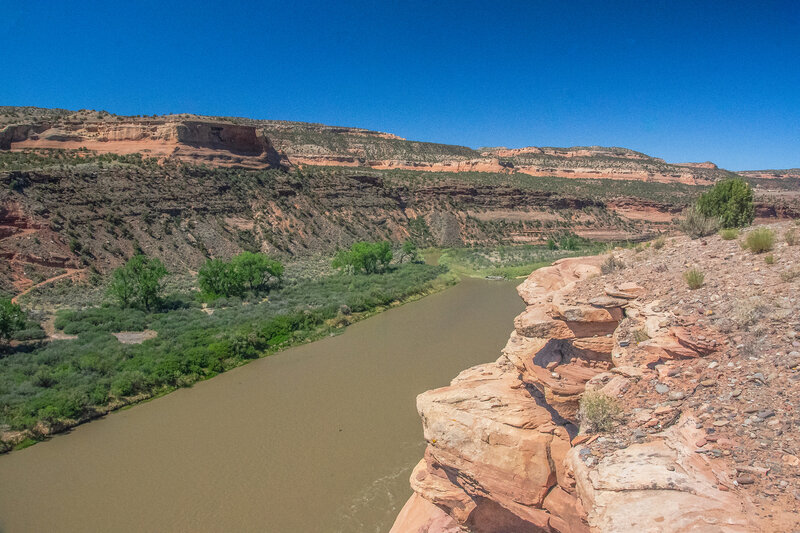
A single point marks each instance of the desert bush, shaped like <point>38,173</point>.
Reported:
<point>694,278</point>
<point>611,264</point>
<point>730,202</point>
<point>695,224</point>
<point>728,234</point>
<point>660,242</point>
<point>791,237</point>
<point>597,411</point>
<point>29,334</point>
<point>759,240</point>
<point>769,259</point>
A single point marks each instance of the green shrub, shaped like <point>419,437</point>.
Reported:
<point>759,240</point>
<point>695,224</point>
<point>730,201</point>
<point>12,319</point>
<point>29,334</point>
<point>569,242</point>
<point>694,278</point>
<point>769,259</point>
<point>728,234</point>
<point>597,411</point>
<point>660,242</point>
<point>639,335</point>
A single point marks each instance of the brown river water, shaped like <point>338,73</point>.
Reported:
<point>318,438</point>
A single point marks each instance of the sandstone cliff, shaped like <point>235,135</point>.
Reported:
<point>706,379</point>
<point>196,141</point>
<point>250,143</point>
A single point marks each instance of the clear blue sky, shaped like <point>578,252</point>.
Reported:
<point>683,80</point>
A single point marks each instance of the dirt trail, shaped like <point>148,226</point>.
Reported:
<point>17,232</point>
<point>69,273</point>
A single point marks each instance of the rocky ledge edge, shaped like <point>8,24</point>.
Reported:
<point>504,452</point>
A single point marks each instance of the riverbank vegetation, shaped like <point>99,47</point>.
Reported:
<point>514,261</point>
<point>109,362</point>
<point>110,347</point>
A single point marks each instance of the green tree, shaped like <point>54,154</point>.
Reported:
<point>731,201</point>
<point>216,278</point>
<point>138,282</point>
<point>409,251</point>
<point>255,271</point>
<point>369,257</point>
<point>12,318</point>
<point>247,271</point>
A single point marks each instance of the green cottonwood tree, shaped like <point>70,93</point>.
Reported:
<point>369,257</point>
<point>138,282</point>
<point>247,271</point>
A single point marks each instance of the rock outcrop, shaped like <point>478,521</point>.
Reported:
<point>196,141</point>
<point>788,173</point>
<point>504,450</point>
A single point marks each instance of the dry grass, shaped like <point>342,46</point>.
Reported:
<point>790,275</point>
<point>748,312</point>
<point>611,264</point>
<point>694,278</point>
<point>791,237</point>
<point>598,411</point>
<point>639,335</point>
<point>696,225</point>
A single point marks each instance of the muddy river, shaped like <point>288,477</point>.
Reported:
<point>318,438</point>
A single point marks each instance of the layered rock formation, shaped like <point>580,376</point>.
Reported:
<point>598,162</point>
<point>504,453</point>
<point>230,141</point>
<point>789,173</point>
<point>197,141</point>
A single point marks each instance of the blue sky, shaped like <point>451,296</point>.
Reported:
<point>686,81</point>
